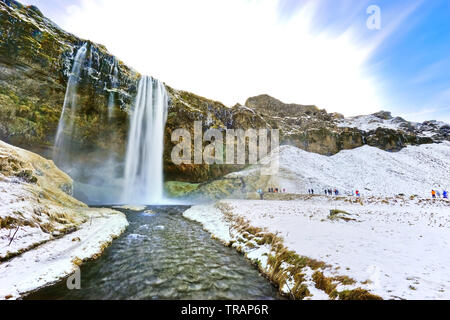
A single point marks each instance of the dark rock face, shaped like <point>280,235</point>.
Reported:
<point>184,109</point>
<point>36,58</point>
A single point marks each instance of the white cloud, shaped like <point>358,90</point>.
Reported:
<point>230,50</point>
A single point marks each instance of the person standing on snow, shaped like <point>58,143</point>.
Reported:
<point>261,194</point>
<point>433,194</point>
<point>445,194</point>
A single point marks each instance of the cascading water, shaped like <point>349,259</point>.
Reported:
<point>70,105</point>
<point>114,84</point>
<point>101,182</point>
<point>144,164</point>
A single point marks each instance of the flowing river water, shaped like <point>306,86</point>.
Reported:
<point>162,255</point>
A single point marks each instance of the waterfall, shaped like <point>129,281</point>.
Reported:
<point>114,84</point>
<point>70,105</point>
<point>144,163</point>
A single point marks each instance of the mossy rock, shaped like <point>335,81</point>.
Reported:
<point>176,189</point>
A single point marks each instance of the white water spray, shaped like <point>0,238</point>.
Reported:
<point>70,105</point>
<point>144,163</point>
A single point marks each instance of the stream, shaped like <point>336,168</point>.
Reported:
<point>163,255</point>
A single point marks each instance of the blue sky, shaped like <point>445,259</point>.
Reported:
<point>304,51</point>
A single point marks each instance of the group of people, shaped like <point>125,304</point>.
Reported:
<point>329,192</point>
<point>436,194</point>
<point>270,190</point>
<point>276,190</point>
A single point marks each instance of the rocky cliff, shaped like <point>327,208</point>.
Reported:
<point>306,127</point>
<point>36,58</point>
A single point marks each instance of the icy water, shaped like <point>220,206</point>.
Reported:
<point>162,255</point>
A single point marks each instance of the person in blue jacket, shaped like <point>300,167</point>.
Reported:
<point>445,194</point>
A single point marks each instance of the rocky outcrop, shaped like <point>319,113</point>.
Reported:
<point>184,109</point>
<point>315,130</point>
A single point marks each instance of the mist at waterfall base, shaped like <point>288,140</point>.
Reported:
<point>105,176</point>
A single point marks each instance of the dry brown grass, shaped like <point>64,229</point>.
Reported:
<point>324,283</point>
<point>345,280</point>
<point>358,294</point>
<point>9,223</point>
<point>293,264</point>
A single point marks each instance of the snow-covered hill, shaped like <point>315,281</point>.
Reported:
<point>415,170</point>
<point>372,122</point>
<point>437,130</point>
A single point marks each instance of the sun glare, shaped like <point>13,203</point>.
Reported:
<point>231,50</point>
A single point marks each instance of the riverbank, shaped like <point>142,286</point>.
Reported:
<point>45,233</point>
<point>163,256</point>
<point>316,247</point>
<point>56,259</point>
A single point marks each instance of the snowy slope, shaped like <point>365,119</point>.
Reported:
<point>437,130</point>
<point>414,170</point>
<point>371,122</point>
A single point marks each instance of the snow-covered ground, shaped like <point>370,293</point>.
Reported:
<point>396,248</point>
<point>44,232</point>
<point>57,259</point>
<point>414,170</point>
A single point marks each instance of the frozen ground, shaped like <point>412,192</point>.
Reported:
<point>396,248</point>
